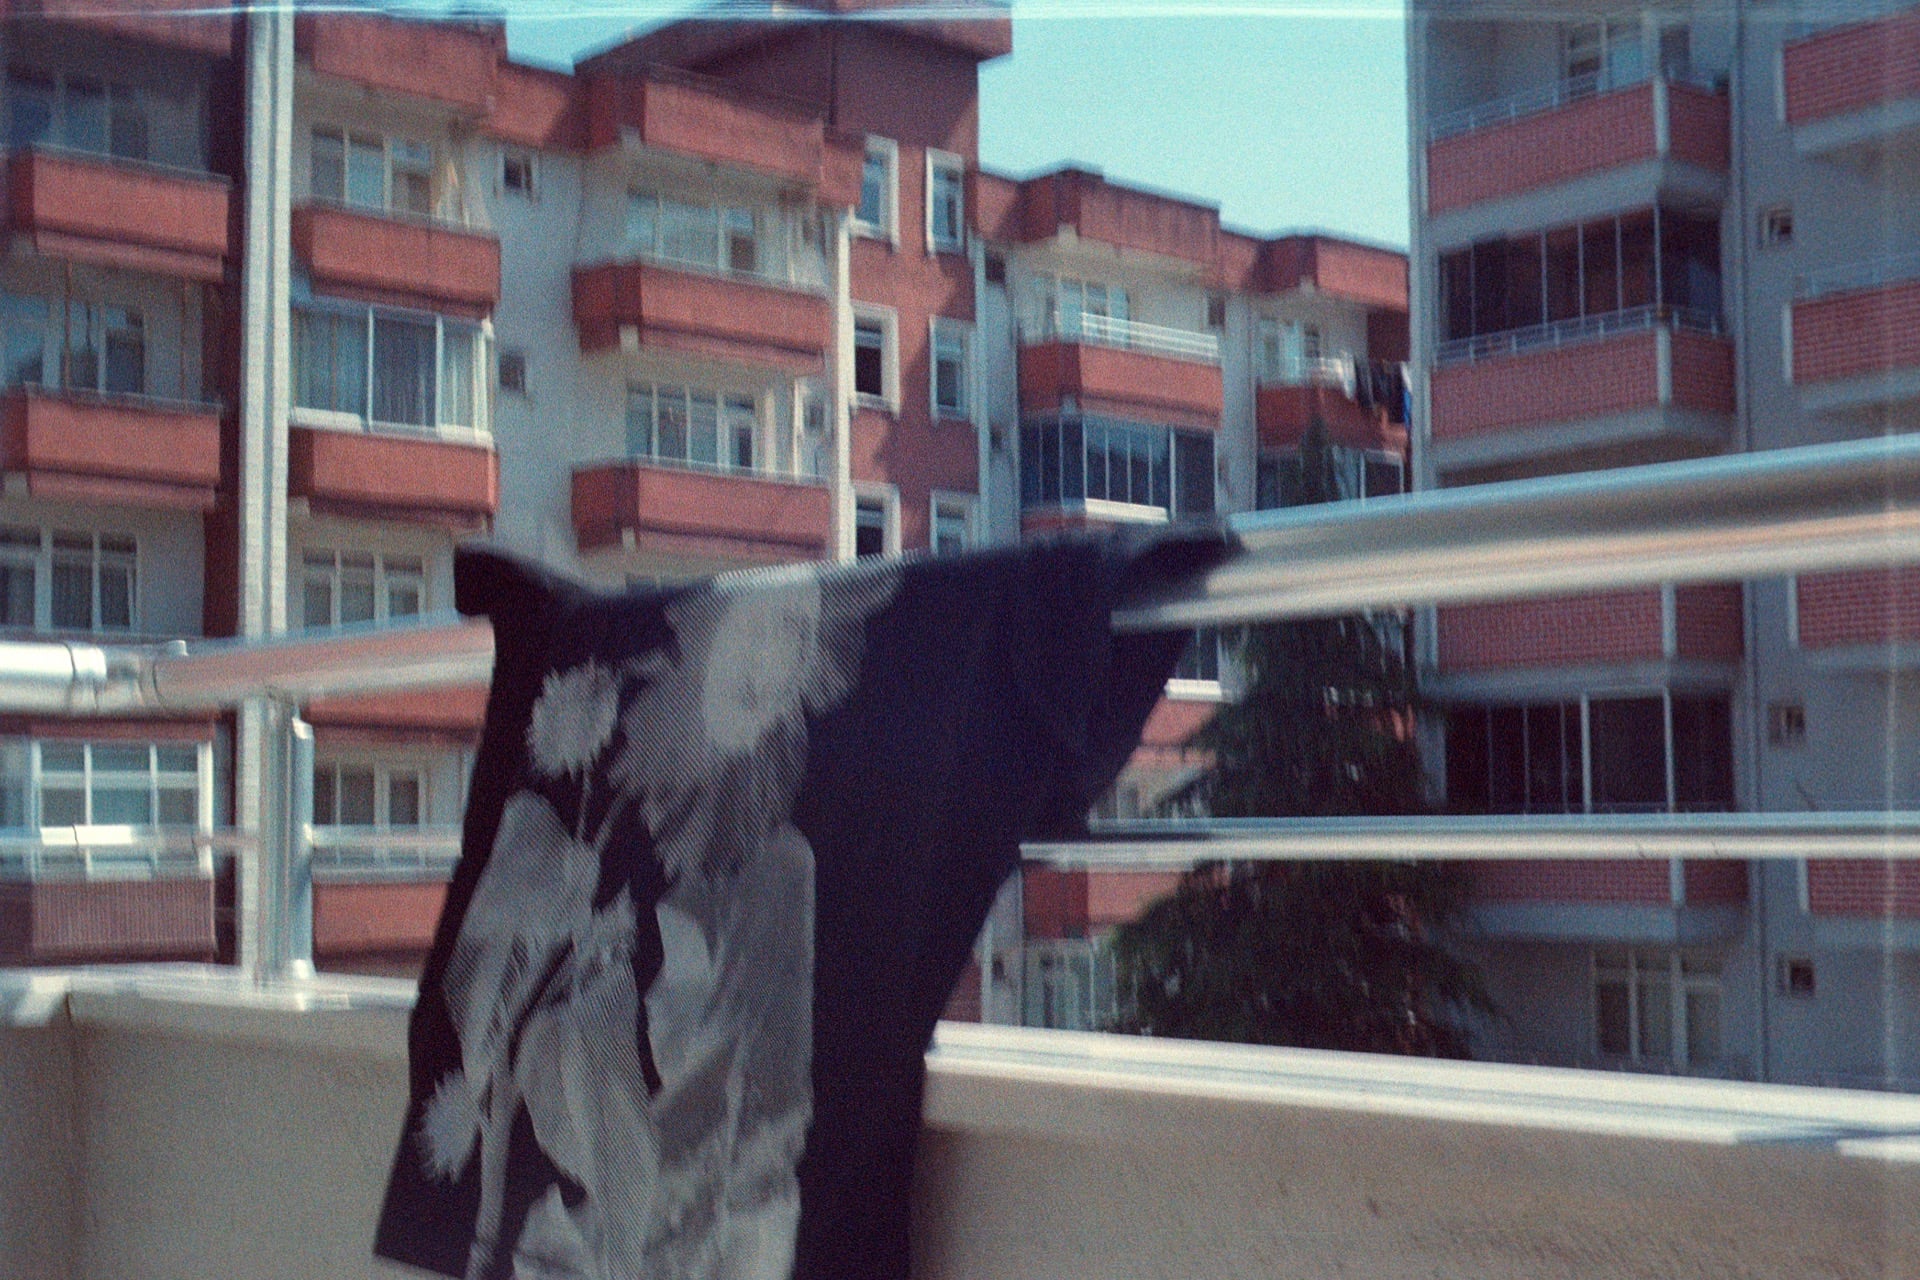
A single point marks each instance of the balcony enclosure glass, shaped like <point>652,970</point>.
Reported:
<point>1070,460</point>
<point>1659,258</point>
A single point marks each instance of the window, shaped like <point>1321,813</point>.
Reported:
<point>516,173</point>
<point>1076,459</point>
<point>876,522</point>
<point>67,581</point>
<point>106,349</point>
<point>392,368</point>
<point>340,588</point>
<point>369,795</point>
<point>1216,311</point>
<point>878,183</point>
<point>1655,1006</point>
<point>1356,475</point>
<point>23,339</point>
<point>1617,754</point>
<point>952,525</point>
<point>1600,56</point>
<point>876,359</point>
<point>368,171</point>
<point>1288,352</point>
<point>62,783</point>
<point>709,237</point>
<point>1072,308</point>
<point>1070,984</point>
<point>1652,258</point>
<point>950,368</point>
<point>1787,724</point>
<point>1776,227</point>
<point>1201,659</point>
<point>513,371</point>
<point>946,202</point>
<point>688,426</point>
<point>81,112</point>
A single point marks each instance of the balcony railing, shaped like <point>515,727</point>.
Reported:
<point>1550,97</point>
<point>1875,274</point>
<point>383,853</point>
<point>87,853</point>
<point>1130,335</point>
<point>1564,333</point>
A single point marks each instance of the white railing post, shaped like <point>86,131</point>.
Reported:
<point>281,923</point>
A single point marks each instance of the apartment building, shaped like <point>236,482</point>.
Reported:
<point>295,302</point>
<point>1644,235</point>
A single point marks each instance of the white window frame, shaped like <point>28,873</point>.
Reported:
<point>1665,964</point>
<point>887,498</point>
<point>727,408</point>
<point>386,575</point>
<point>35,781</point>
<point>942,330</point>
<point>383,772</point>
<point>946,164</point>
<point>480,372</point>
<point>42,557</point>
<point>966,506</point>
<point>117,96</point>
<point>887,227</point>
<point>889,322</point>
<point>529,160</point>
<point>390,167</point>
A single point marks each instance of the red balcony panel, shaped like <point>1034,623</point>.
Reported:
<point>1120,897</point>
<point>1560,631</point>
<point>180,24</point>
<point>75,921</point>
<point>1582,138</point>
<point>1852,68</point>
<point>707,120</point>
<point>1106,213</point>
<point>710,315</point>
<point>1637,883</point>
<point>1341,269</point>
<point>117,214</point>
<point>374,918</point>
<point>676,512</point>
<point>447,714</point>
<point>423,481</point>
<point>1711,883</point>
<point>1284,413</point>
<point>1174,721</point>
<point>405,261</point>
<point>535,107</point>
<point>1709,622</point>
<point>95,449</point>
<point>1042,521</point>
<point>1863,887</point>
<point>1701,371</point>
<point>1055,902</point>
<point>1858,332</point>
<point>1858,607</point>
<point>1125,383</point>
<point>1585,380</point>
<point>448,62</point>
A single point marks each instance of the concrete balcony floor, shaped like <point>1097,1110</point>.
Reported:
<point>182,1122</point>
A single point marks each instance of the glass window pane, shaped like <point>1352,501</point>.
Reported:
<point>869,356</point>
<point>457,345</point>
<point>1627,737</point>
<point>62,757</point>
<point>356,797</point>
<point>1506,760</point>
<point>72,594</point>
<point>403,371</point>
<point>121,758</point>
<point>62,805</point>
<point>329,166</point>
<point>25,321</point>
<point>366,172</point>
<point>16,593</point>
<point>86,115</point>
<point>1702,754</point>
<point>1703,1026</point>
<point>403,800</point>
<point>640,422</point>
<point>179,806</point>
<point>1193,469</point>
<point>116,597</point>
<point>356,597</point>
<point>643,222</point>
<point>873,189</point>
<point>177,758</point>
<point>117,804</point>
<point>1072,463</point>
<point>127,129</point>
<point>317,599</point>
<point>326,795</point>
<point>1656,1015</point>
<point>1610,1011</point>
<point>670,435</point>
<point>689,234</point>
<point>703,427</point>
<point>30,98</point>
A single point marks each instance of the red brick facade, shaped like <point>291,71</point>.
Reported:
<point>1852,68</point>
<point>1586,137</point>
<point>1862,331</point>
<point>1587,380</point>
<point>1643,883</point>
<point>1858,606</point>
<point>1559,631</point>
<point>1708,622</point>
<point>1863,887</point>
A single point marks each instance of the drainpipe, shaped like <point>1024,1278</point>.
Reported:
<point>842,481</point>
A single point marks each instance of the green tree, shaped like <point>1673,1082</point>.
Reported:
<point>1339,955</point>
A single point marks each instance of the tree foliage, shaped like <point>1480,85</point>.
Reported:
<point>1340,955</point>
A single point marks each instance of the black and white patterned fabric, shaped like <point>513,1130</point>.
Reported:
<point>726,849</point>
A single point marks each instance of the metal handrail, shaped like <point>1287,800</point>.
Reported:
<point>85,852</point>
<point>1874,274</point>
<point>1551,97</point>
<point>1578,329</point>
<point>358,852</point>
<point>1132,335</point>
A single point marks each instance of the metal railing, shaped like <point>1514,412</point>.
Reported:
<point>1877,273</point>
<point>1760,514</point>
<point>1132,335</point>
<point>115,852</point>
<point>1579,329</point>
<point>1551,97</point>
<point>378,853</point>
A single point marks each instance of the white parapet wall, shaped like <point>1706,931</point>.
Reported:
<point>184,1125</point>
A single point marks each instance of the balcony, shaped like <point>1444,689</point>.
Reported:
<point>415,479</point>
<point>119,213</point>
<point>711,519</point>
<point>446,63</point>
<point>76,446</point>
<point>1697,624</point>
<point>1284,408</point>
<point>1662,901</point>
<point>1124,369</point>
<point>1648,384</point>
<point>735,317</point>
<point>1852,93</point>
<point>1582,147</point>
<point>1854,340</point>
<point>399,259</point>
<point>178,24</point>
<point>1081,205</point>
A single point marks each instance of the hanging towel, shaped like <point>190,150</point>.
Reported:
<point>726,852</point>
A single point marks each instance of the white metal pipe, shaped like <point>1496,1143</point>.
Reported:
<point>1709,836</point>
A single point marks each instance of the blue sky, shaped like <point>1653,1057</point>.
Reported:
<point>1288,114</point>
